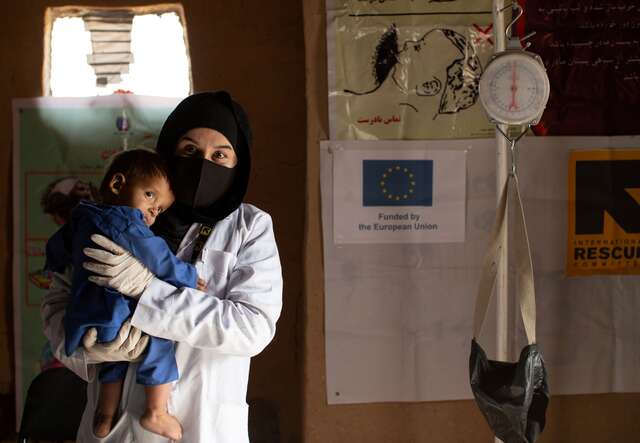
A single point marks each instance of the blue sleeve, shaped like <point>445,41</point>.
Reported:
<point>154,252</point>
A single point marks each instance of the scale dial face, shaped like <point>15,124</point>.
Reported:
<point>514,88</point>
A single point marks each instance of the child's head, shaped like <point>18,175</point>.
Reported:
<point>139,179</point>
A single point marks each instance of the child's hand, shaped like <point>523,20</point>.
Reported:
<point>201,285</point>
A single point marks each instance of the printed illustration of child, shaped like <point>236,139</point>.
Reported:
<point>134,191</point>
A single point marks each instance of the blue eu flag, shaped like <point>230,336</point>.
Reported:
<point>397,182</point>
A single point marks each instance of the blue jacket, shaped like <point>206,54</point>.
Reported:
<point>91,305</point>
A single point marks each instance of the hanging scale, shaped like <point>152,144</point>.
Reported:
<point>514,88</point>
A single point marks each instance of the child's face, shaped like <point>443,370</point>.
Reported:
<point>152,196</point>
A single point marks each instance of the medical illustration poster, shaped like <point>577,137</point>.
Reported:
<point>591,50</point>
<point>412,194</point>
<point>604,212</point>
<point>61,146</point>
<point>407,69</point>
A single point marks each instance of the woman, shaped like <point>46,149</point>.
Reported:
<point>207,139</point>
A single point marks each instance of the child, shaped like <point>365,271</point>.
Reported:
<point>135,190</point>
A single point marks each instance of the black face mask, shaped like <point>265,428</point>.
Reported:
<point>201,182</point>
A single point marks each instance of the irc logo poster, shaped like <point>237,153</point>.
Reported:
<point>604,212</point>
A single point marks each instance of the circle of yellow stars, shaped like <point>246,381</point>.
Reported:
<point>401,170</point>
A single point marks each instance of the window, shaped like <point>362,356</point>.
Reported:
<point>101,50</point>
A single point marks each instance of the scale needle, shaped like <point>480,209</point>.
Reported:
<point>514,88</point>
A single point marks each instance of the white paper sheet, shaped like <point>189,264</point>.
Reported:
<point>408,195</point>
<point>398,317</point>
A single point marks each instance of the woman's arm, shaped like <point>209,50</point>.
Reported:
<point>240,322</point>
<point>52,311</point>
<point>127,346</point>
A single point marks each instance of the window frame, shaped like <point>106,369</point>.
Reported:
<point>55,12</point>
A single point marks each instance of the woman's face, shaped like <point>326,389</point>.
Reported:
<point>208,144</point>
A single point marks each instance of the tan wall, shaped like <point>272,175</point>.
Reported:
<point>253,49</point>
<point>602,419</point>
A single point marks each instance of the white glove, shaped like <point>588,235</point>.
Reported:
<point>117,268</point>
<point>127,346</point>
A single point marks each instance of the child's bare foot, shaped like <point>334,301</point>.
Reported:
<point>161,423</point>
<point>102,424</point>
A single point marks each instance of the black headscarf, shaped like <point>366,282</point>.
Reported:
<point>218,111</point>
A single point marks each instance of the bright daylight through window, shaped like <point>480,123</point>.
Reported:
<point>99,53</point>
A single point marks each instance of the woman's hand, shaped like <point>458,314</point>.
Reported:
<point>117,268</point>
<point>128,345</point>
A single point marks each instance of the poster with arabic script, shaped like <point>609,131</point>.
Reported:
<point>401,69</point>
<point>591,49</point>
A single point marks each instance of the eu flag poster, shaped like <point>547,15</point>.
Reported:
<point>398,191</point>
<point>397,182</point>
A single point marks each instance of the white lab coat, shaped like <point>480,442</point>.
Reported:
<point>216,333</point>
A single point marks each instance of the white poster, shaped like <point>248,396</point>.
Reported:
<point>386,194</point>
<point>399,316</point>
